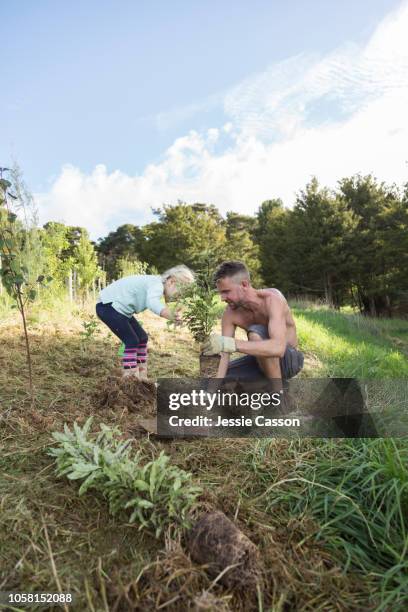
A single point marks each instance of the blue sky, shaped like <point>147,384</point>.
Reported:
<point>113,107</point>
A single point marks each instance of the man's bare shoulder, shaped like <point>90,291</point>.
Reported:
<point>272,297</point>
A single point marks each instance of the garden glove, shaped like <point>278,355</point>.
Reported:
<point>219,344</point>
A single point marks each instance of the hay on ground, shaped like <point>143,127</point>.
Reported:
<point>128,392</point>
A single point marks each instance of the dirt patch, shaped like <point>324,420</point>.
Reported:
<point>227,552</point>
<point>119,393</point>
<point>209,365</point>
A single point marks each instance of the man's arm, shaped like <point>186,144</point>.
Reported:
<point>275,346</point>
<point>227,329</point>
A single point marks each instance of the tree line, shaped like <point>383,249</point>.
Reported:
<point>347,246</point>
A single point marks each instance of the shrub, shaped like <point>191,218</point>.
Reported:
<point>152,493</point>
<point>90,328</point>
<point>201,306</point>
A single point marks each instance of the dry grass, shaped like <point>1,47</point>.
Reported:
<point>49,535</point>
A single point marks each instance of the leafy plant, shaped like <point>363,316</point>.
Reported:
<point>128,266</point>
<point>201,309</point>
<point>86,264</point>
<point>153,493</point>
<point>91,328</point>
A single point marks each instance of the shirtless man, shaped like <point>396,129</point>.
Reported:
<point>266,317</point>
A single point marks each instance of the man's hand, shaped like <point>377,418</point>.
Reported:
<point>219,344</point>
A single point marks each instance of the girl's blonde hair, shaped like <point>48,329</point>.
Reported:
<point>181,273</point>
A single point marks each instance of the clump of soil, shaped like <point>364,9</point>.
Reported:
<point>209,365</point>
<point>119,392</point>
<point>216,542</point>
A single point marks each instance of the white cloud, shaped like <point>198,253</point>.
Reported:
<point>330,117</point>
<point>92,201</point>
<point>175,116</point>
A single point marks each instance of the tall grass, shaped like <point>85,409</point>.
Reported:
<point>356,491</point>
<point>357,494</point>
<point>351,346</point>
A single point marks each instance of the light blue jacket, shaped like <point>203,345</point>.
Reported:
<point>133,294</point>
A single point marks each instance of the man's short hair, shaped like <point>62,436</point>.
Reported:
<point>231,268</point>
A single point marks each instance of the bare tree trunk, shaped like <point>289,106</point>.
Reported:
<point>70,290</point>
<point>27,343</point>
<point>361,303</point>
<point>388,306</point>
<point>328,289</point>
<point>353,298</point>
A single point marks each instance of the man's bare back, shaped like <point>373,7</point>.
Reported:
<point>271,299</point>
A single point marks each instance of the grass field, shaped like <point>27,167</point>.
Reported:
<point>329,517</point>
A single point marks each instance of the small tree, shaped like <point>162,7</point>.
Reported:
<point>31,251</point>
<point>86,264</point>
<point>201,311</point>
<point>128,266</point>
<point>55,245</point>
<point>14,274</point>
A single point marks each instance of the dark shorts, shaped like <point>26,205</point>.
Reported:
<point>247,367</point>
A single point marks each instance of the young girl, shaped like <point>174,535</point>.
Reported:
<point>132,294</point>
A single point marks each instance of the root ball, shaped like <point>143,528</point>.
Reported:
<point>216,542</point>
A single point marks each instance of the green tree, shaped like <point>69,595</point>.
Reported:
<point>128,267</point>
<point>30,251</point>
<point>86,264</point>
<point>377,248</point>
<point>14,273</point>
<point>320,229</point>
<point>185,233</point>
<point>56,247</point>
<point>125,243</point>
<point>239,231</point>
<point>302,250</point>
<point>271,234</point>
<point>398,243</point>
